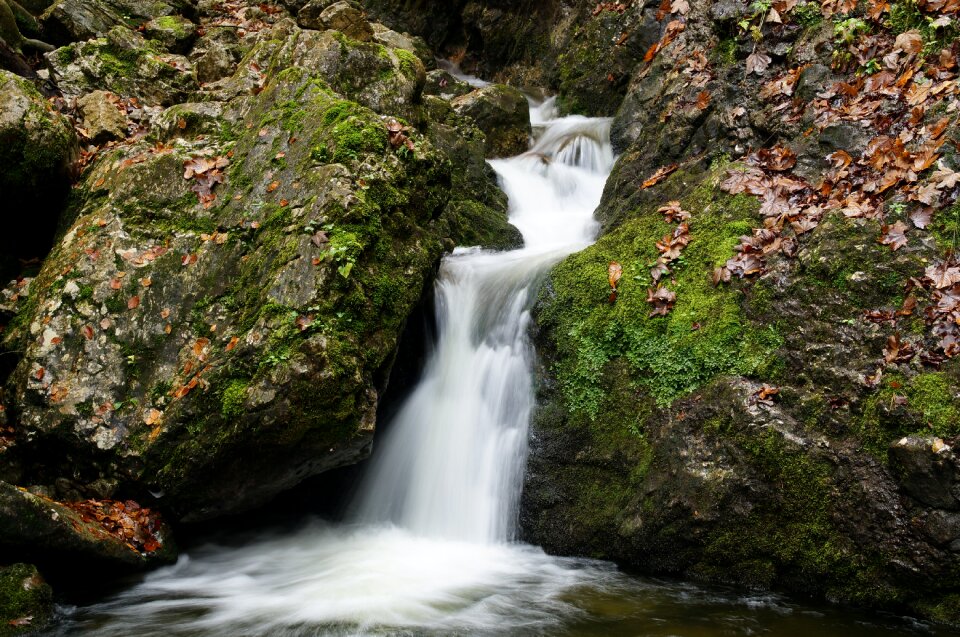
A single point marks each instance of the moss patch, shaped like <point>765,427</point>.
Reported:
<point>23,593</point>
<point>706,334</point>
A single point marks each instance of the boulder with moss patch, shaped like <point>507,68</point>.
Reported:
<point>37,150</point>
<point>215,338</point>
<point>72,20</point>
<point>653,445</point>
<point>124,63</point>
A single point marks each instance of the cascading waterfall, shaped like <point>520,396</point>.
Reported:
<point>428,551</point>
<point>429,545</point>
<point>452,464</point>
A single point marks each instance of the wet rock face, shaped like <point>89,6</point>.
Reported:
<point>502,114</point>
<point>220,316</point>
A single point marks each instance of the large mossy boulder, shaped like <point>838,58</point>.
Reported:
<point>220,317</point>
<point>656,445</point>
<point>503,114</point>
<point>124,63</point>
<point>792,428</point>
<point>37,149</point>
<point>26,600</point>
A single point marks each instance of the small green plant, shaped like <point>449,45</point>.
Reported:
<point>808,14</point>
<point>845,35</point>
<point>753,24</point>
<point>871,66</point>
<point>342,247</point>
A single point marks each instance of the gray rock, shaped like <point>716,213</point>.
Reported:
<point>102,120</point>
<point>121,62</point>
<point>70,20</point>
<point>189,120</point>
<point>943,526</point>
<point>442,84</point>
<point>174,33</point>
<point>503,114</point>
<point>927,470</point>
<point>346,17</point>
<point>215,55</point>
<point>37,149</point>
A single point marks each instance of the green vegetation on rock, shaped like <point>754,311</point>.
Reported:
<point>706,335</point>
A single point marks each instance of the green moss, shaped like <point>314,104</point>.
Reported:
<point>807,14</point>
<point>23,593</point>
<point>233,398</point>
<point>725,53</point>
<point>409,63</point>
<point>85,293</point>
<point>925,404</point>
<point>115,303</point>
<point>905,15</point>
<point>706,334</point>
<point>180,27</point>
<point>945,227</point>
<point>946,609</point>
<point>792,532</point>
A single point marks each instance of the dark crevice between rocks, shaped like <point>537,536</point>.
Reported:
<point>330,494</point>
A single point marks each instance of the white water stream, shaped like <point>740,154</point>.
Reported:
<point>430,549</point>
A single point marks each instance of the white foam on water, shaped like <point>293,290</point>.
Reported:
<point>431,543</point>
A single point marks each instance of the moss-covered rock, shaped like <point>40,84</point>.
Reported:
<point>346,17</point>
<point>71,20</point>
<point>42,530</point>
<point>37,149</point>
<point>224,335</point>
<point>652,446</point>
<point>174,33</point>
<point>123,62</point>
<point>26,600</point>
<point>503,114</point>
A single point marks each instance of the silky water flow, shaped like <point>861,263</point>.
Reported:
<point>429,546</point>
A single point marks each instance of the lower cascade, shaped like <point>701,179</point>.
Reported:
<point>429,547</point>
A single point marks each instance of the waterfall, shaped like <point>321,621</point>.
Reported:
<point>452,463</point>
<point>429,547</point>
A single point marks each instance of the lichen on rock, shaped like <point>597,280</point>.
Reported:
<point>215,336</point>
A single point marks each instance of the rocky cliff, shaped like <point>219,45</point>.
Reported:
<point>771,397</point>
